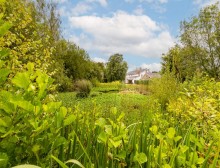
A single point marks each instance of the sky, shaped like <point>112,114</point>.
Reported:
<point>140,30</point>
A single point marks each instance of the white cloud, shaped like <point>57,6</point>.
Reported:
<point>139,10</point>
<point>103,3</point>
<point>81,8</point>
<point>152,67</point>
<point>203,3</point>
<point>129,1</point>
<point>60,1</point>
<point>157,5</point>
<point>122,33</point>
<point>154,1</point>
<point>97,59</point>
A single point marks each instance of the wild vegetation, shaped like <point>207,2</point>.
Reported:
<point>168,122</point>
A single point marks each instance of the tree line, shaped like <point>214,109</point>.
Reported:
<point>199,49</point>
<point>36,36</point>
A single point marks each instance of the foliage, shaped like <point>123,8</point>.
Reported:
<point>164,89</point>
<point>177,126</point>
<point>109,87</point>
<point>198,103</point>
<point>116,68</point>
<point>77,65</point>
<point>199,49</point>
<point>23,39</point>
<point>83,88</point>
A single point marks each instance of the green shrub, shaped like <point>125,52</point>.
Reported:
<point>164,88</point>
<point>83,88</point>
<point>95,82</point>
<point>198,103</point>
<point>65,84</point>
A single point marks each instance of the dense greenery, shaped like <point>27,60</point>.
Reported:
<point>199,49</point>
<point>116,68</point>
<point>162,123</point>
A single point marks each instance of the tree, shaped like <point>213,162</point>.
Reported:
<point>200,46</point>
<point>177,61</point>
<point>116,68</point>
<point>201,35</point>
<point>30,39</point>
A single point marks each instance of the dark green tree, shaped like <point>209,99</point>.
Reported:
<point>116,68</point>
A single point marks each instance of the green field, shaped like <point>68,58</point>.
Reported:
<point>61,109</point>
<point>134,130</point>
<point>132,104</point>
<point>173,125</point>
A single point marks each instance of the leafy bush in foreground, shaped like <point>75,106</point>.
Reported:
<point>198,104</point>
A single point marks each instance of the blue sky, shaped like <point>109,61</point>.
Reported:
<point>141,30</point>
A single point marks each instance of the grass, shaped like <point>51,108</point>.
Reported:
<point>132,104</point>
<point>127,129</point>
<point>139,132</point>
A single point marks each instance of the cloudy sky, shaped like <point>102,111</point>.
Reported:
<point>141,30</point>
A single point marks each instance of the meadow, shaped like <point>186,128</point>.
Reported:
<point>162,124</point>
<point>52,117</point>
<point>129,129</point>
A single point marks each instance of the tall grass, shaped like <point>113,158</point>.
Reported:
<point>117,130</point>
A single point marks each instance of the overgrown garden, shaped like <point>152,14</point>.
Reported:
<point>168,122</point>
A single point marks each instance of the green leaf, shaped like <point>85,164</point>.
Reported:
<point>154,129</point>
<point>121,116</point>
<point>177,138</point>
<point>75,162</point>
<point>102,137</point>
<point>101,122</point>
<point>200,160</point>
<point>160,136</point>
<point>4,28</point>
<point>60,162</point>
<point>21,80</point>
<point>184,148</point>
<point>108,129</point>
<point>26,105</point>
<point>121,155</point>
<point>4,53</point>
<point>115,143</point>
<point>3,123</point>
<point>171,133</point>
<point>35,148</point>
<point>140,158</point>
<point>3,160</point>
<point>59,141</point>
<point>63,111</point>
<point>7,107</point>
<point>26,166</point>
<point>69,120</point>
<point>4,74</point>
<point>166,166</point>
<point>114,110</point>
<point>30,66</point>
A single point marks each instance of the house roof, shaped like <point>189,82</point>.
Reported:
<point>149,75</point>
<point>137,71</point>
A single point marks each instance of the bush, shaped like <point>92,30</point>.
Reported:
<point>65,84</point>
<point>83,88</point>
<point>164,89</point>
<point>198,103</point>
<point>95,82</point>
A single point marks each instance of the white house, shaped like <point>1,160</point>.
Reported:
<point>140,74</point>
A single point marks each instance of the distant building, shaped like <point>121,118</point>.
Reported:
<point>140,74</point>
